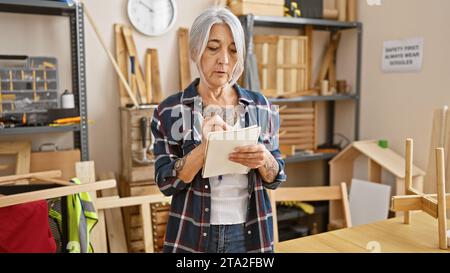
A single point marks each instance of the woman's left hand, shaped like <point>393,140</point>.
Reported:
<point>252,156</point>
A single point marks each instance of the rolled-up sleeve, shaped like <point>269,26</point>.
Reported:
<point>273,146</point>
<point>166,153</point>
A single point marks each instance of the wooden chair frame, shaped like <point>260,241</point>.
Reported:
<point>434,205</point>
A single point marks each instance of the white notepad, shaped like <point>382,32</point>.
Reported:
<point>220,144</point>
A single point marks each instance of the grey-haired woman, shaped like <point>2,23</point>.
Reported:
<point>229,213</point>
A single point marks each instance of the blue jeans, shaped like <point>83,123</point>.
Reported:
<point>227,239</point>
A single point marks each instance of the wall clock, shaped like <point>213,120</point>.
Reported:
<point>152,17</point>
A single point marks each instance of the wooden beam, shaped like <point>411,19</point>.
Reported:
<point>406,203</point>
<point>11,178</point>
<point>408,174</point>
<point>117,242</point>
<point>345,205</point>
<point>148,76</point>
<point>15,199</point>
<point>156,77</point>
<point>147,229</point>
<point>342,9</point>
<point>309,194</point>
<point>441,202</point>
<point>185,67</point>
<point>332,46</point>
<point>130,201</point>
<point>429,205</point>
<point>374,171</point>
<point>309,33</point>
<point>121,57</point>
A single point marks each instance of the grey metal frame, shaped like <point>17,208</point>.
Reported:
<point>250,21</point>
<point>77,45</point>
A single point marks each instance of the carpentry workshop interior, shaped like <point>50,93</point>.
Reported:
<point>357,157</point>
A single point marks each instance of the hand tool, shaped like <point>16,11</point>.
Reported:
<point>144,160</point>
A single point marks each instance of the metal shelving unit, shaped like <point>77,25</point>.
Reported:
<point>306,157</point>
<point>77,46</point>
<point>314,98</point>
<point>278,21</point>
<point>249,22</point>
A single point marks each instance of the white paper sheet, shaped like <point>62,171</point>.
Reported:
<point>221,144</point>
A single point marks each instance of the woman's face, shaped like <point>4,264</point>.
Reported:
<point>220,56</point>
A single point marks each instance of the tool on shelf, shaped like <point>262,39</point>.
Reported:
<point>132,51</point>
<point>67,120</point>
<point>46,65</point>
<point>144,160</point>
<point>133,80</point>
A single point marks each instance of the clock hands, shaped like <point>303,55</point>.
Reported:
<point>145,5</point>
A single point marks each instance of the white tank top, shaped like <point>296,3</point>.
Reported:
<point>229,198</point>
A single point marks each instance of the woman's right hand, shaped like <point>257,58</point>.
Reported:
<point>212,124</point>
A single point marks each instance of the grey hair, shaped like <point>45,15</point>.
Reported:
<point>199,35</point>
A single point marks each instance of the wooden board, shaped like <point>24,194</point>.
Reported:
<point>122,61</point>
<point>309,33</point>
<point>156,78</point>
<point>352,10</point>
<point>131,47</point>
<point>185,67</point>
<point>58,160</point>
<point>342,9</point>
<point>148,76</point>
<point>117,242</point>
<point>328,58</point>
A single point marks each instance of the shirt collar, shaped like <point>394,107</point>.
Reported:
<point>191,93</point>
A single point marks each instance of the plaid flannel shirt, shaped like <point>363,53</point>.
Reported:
<point>189,218</point>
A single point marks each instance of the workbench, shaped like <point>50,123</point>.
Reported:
<point>391,235</point>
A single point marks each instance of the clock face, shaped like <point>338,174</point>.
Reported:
<point>152,17</point>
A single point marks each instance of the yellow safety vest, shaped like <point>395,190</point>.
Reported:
<point>82,217</point>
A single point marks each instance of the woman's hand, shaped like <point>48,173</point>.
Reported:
<point>252,156</point>
<point>212,124</point>
<point>257,157</point>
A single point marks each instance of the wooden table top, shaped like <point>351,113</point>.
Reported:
<point>391,235</point>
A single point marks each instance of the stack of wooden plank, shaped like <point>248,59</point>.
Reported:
<point>298,127</point>
<point>282,65</point>
<point>257,7</point>
<point>145,84</point>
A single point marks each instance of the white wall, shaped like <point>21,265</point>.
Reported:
<point>400,105</point>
